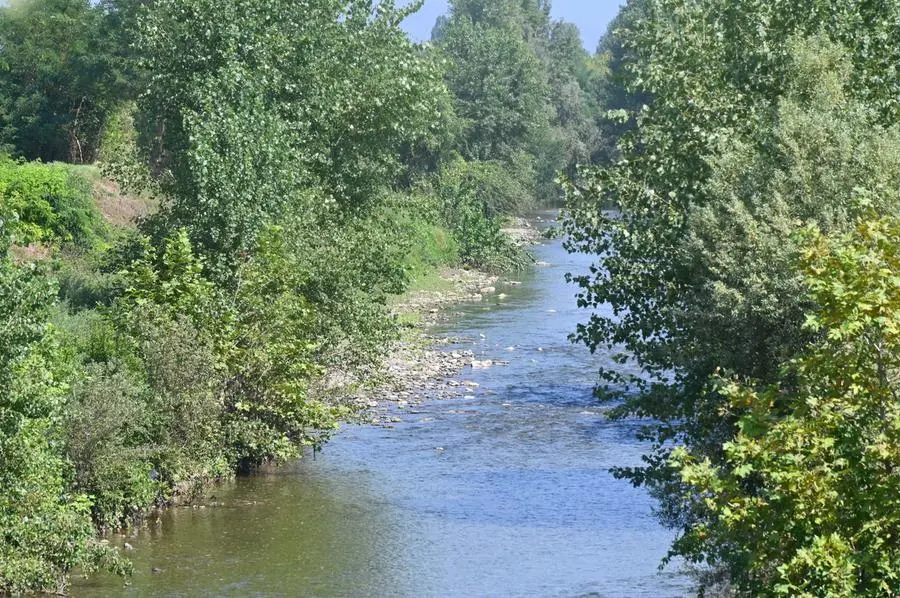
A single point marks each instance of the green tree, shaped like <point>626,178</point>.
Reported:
<point>62,70</point>
<point>759,117</point>
<point>499,88</point>
<point>273,100</point>
<point>807,501</point>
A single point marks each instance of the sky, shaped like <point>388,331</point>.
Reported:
<point>591,16</point>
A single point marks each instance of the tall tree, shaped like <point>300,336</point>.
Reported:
<point>263,107</point>
<point>758,116</point>
<point>62,71</point>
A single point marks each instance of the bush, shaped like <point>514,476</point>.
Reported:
<point>805,501</point>
<point>46,528</point>
<point>107,428</point>
<point>52,204</point>
<point>472,198</point>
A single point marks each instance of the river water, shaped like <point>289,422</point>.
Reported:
<point>503,493</point>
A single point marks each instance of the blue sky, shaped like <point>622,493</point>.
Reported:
<point>591,16</point>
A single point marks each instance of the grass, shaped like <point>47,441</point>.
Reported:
<point>119,209</point>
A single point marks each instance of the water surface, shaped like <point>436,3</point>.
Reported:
<point>503,493</point>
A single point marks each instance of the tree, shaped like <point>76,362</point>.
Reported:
<point>807,501</point>
<point>574,127</point>
<point>63,71</point>
<point>759,117</point>
<point>272,101</point>
<point>499,88</point>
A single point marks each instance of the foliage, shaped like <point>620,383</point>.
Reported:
<point>120,155</point>
<point>46,529</point>
<point>519,86</point>
<point>807,501</point>
<point>271,362</point>
<point>758,117</point>
<point>63,73</point>
<point>473,197</point>
<point>52,205</point>
<point>273,100</point>
<point>499,88</point>
<point>106,427</point>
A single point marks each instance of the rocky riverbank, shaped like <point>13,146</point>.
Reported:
<point>420,366</point>
<point>423,366</point>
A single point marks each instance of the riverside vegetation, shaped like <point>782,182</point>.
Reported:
<point>752,268</point>
<point>207,208</point>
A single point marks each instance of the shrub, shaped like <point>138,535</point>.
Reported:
<point>52,204</point>
<point>107,428</point>
<point>472,198</point>
<point>45,529</point>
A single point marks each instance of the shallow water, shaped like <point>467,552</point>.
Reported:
<point>505,493</point>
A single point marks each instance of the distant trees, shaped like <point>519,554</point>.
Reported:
<point>516,82</point>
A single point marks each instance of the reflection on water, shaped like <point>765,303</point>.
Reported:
<point>504,494</point>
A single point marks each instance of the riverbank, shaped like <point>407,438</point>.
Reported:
<point>419,366</point>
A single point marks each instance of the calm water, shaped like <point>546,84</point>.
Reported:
<point>503,494</point>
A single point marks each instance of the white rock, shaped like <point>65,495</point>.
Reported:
<point>482,364</point>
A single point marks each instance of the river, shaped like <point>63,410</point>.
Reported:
<point>503,493</point>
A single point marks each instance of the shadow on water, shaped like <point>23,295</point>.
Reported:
<point>503,493</point>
